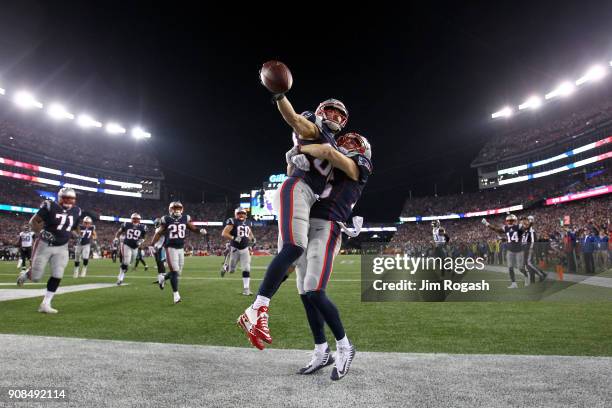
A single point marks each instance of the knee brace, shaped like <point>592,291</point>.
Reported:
<point>246,274</point>
<point>124,267</point>
<point>77,263</point>
<point>85,262</point>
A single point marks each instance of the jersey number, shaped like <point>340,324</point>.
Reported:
<point>176,231</point>
<point>512,236</point>
<point>63,218</point>
<point>132,234</point>
<point>243,231</point>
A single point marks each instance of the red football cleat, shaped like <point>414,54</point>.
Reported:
<point>247,327</point>
<point>261,327</point>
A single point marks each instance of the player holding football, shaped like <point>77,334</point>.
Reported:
<point>352,167</point>
<point>514,254</point>
<point>133,236</point>
<point>173,228</point>
<point>53,223</point>
<point>238,230</point>
<point>25,241</point>
<point>293,202</point>
<point>85,234</point>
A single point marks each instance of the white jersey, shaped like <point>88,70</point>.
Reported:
<point>438,238</point>
<point>26,238</point>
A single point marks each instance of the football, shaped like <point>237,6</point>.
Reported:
<point>276,77</point>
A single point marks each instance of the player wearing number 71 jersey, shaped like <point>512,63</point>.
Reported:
<point>53,223</point>
<point>174,229</point>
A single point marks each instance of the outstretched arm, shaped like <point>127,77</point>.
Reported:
<point>493,227</point>
<point>337,159</point>
<point>302,126</point>
<point>193,228</point>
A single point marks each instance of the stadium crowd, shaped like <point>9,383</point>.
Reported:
<point>565,126</point>
<point>118,154</point>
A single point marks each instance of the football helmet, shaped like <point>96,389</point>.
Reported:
<point>333,113</point>
<point>135,217</point>
<point>352,144</point>
<point>175,209</point>
<point>87,221</point>
<point>240,213</point>
<point>66,197</point>
<point>27,227</point>
<point>435,223</point>
<point>511,219</point>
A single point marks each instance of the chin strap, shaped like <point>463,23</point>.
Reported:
<point>352,232</point>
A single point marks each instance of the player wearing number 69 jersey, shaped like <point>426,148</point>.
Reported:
<point>173,228</point>
<point>238,231</point>
<point>53,223</point>
<point>133,236</point>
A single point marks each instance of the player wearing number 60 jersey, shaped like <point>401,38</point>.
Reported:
<point>133,236</point>
<point>173,228</point>
<point>53,223</point>
<point>292,204</point>
<point>238,231</point>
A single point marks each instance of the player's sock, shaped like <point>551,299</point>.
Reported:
<point>315,321</point>
<point>261,301</point>
<point>121,276</point>
<point>84,270</point>
<point>52,285</point>
<point>246,279</point>
<point>321,348</point>
<point>328,310</point>
<point>343,342</point>
<point>176,296</point>
<point>174,281</point>
<point>278,269</point>
<point>19,263</point>
<point>512,277</point>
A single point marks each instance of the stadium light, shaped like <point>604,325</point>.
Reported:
<point>139,133</point>
<point>88,121</point>
<point>26,100</point>
<point>594,73</point>
<point>564,89</point>
<point>533,102</point>
<point>114,128</point>
<point>503,113</point>
<point>57,111</point>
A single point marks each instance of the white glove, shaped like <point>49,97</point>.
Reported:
<point>352,232</point>
<point>530,218</point>
<point>203,231</point>
<point>301,162</point>
<point>295,150</point>
<point>485,222</point>
<point>238,239</point>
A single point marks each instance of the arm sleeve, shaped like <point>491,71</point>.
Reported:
<point>364,166</point>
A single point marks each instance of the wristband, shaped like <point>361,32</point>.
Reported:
<point>278,97</point>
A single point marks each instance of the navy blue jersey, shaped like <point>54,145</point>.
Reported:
<point>176,229</point>
<point>58,221</point>
<point>320,170</point>
<point>240,229</point>
<point>86,234</point>
<point>133,233</point>
<point>514,237</point>
<point>342,193</point>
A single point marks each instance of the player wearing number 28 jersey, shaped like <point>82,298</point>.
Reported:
<point>173,227</point>
<point>292,204</point>
<point>53,223</point>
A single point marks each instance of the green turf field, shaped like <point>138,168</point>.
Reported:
<point>141,312</point>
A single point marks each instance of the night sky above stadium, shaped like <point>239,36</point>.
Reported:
<point>420,85</point>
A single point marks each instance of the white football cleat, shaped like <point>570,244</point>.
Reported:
<point>83,273</point>
<point>344,358</point>
<point>318,361</point>
<point>75,274</point>
<point>247,292</point>
<point>513,285</point>
<point>45,308</point>
<point>177,298</point>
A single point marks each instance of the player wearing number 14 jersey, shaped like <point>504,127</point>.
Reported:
<point>53,223</point>
<point>173,228</point>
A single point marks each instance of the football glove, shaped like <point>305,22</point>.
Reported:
<point>47,237</point>
<point>203,231</point>
<point>295,150</point>
<point>485,222</point>
<point>301,162</point>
